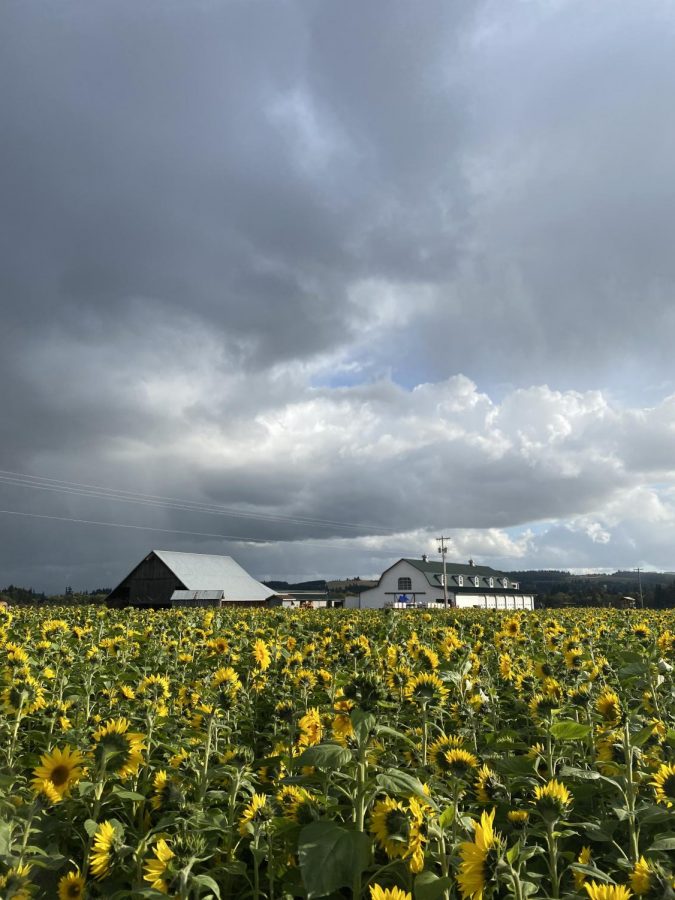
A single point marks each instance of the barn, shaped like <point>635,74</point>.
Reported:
<point>168,578</point>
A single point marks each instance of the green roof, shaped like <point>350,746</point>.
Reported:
<point>433,571</point>
<point>436,568</point>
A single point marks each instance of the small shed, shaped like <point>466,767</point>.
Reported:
<point>166,578</point>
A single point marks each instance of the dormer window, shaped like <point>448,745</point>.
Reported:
<point>460,580</point>
<point>492,582</point>
<point>476,581</point>
<point>505,582</point>
<point>405,584</point>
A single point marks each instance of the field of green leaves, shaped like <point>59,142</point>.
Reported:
<point>386,755</point>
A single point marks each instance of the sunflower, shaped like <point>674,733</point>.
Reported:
<point>103,850</point>
<point>359,648</point>
<point>297,804</point>
<point>256,812</point>
<point>487,784</point>
<point>439,747</point>
<point>460,763</point>
<point>179,758</point>
<point>155,688</point>
<point>664,785</point>
<point>574,658</point>
<point>58,772</point>
<point>541,705</point>
<point>610,754</point>
<point>311,729</point>
<point>640,877</point>
<point>543,670</point>
<point>580,696</point>
<point>518,817</point>
<point>393,893</point>
<point>552,800</point>
<point>506,667</point>
<point>397,678</point>
<point>118,749</point>
<point>15,655</point>
<point>157,869</point>
<point>305,679</point>
<point>428,659</point>
<point>583,859</point>
<point>285,710</point>
<point>324,677</point>
<point>608,706</point>
<point>512,626</point>
<point>426,689</point>
<point>398,829</point>
<point>26,695</point>
<point>288,797</point>
<point>227,680</point>
<point>607,891</point>
<point>261,655</point>
<point>160,789</point>
<point>342,726</point>
<point>16,883</point>
<point>72,886</point>
<point>478,858</point>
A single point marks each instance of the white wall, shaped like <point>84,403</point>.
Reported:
<point>495,601</point>
<point>387,590</point>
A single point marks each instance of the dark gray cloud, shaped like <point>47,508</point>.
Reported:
<point>217,216</point>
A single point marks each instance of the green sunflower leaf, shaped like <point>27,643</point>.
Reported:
<point>429,886</point>
<point>325,756</point>
<point>330,857</point>
<point>569,730</point>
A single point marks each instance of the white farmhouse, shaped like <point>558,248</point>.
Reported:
<point>418,582</point>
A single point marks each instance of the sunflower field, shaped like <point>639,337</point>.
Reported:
<point>387,755</point>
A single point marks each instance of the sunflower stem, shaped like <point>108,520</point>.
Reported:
<point>203,781</point>
<point>26,834</point>
<point>553,859</point>
<point>425,734</point>
<point>630,795</point>
<point>15,734</point>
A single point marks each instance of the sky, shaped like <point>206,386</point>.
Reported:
<point>313,283</point>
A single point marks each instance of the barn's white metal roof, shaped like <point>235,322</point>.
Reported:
<point>197,595</point>
<point>202,572</point>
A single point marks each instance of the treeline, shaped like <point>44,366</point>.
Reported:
<point>622,590</point>
<point>18,596</point>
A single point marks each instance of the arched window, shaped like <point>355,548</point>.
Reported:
<point>505,582</point>
<point>492,582</point>
<point>476,581</point>
<point>404,584</point>
<point>460,580</point>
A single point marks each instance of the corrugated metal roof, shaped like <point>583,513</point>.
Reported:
<point>203,572</point>
<point>197,595</point>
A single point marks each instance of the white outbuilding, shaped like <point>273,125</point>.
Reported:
<point>419,583</point>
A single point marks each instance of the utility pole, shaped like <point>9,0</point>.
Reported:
<point>443,549</point>
<point>642,599</point>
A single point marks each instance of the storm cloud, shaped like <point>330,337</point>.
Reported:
<point>368,272</point>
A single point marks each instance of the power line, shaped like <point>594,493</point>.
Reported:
<point>157,501</point>
<point>225,537</point>
<point>222,537</point>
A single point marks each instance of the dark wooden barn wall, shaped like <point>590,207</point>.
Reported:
<point>150,584</point>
